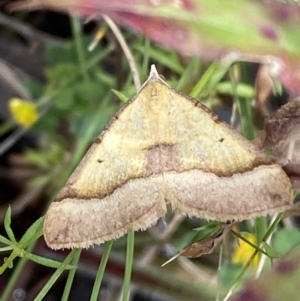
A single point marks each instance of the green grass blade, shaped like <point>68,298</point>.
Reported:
<point>245,268</point>
<point>145,64</point>
<point>55,276</point>
<point>101,269</point>
<point>77,35</point>
<point>257,248</point>
<point>199,87</point>
<point>128,267</point>
<point>71,275</point>
<point>32,233</point>
<point>194,64</point>
<point>120,95</point>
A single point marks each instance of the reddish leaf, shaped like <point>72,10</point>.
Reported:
<point>253,30</point>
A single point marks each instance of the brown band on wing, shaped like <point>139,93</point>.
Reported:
<point>151,171</point>
<point>160,158</point>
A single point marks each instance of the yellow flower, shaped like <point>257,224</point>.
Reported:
<point>244,251</point>
<point>24,112</point>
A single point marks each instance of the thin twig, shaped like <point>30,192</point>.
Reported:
<point>134,71</point>
<point>233,114</point>
<point>11,140</point>
<point>11,79</point>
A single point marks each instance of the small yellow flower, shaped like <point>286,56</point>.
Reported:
<point>244,251</point>
<point>24,112</point>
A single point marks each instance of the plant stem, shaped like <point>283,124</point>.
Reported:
<point>76,29</point>
<point>244,109</point>
<point>203,80</point>
<point>240,276</point>
<point>145,65</point>
<point>101,269</point>
<point>71,275</point>
<point>260,228</point>
<point>128,267</point>
<point>15,275</point>
<point>55,276</point>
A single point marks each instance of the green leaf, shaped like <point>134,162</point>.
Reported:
<point>243,90</point>
<point>105,78</point>
<point>228,274</point>
<point>7,222</point>
<point>285,240</point>
<point>207,230</point>
<point>62,75</point>
<point>50,121</point>
<point>184,240</point>
<point>269,250</point>
<point>4,240</point>
<point>55,275</point>
<point>35,87</point>
<point>164,58</point>
<point>208,81</point>
<point>8,248</point>
<point>60,54</point>
<point>198,234</point>
<point>120,95</point>
<point>47,159</point>
<point>32,233</point>
<point>191,70</point>
<point>37,158</point>
<point>46,261</point>
<point>81,124</point>
<point>65,99</point>
<point>89,93</point>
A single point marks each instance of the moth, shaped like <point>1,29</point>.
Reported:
<point>163,147</point>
